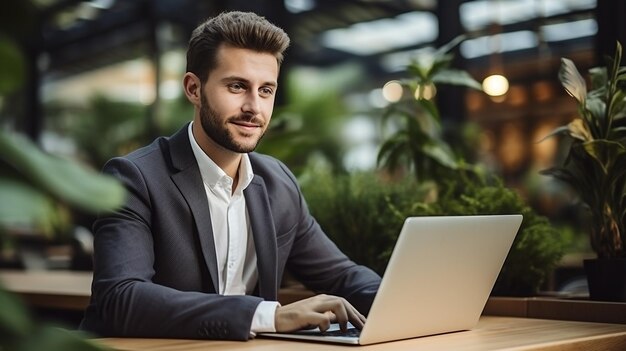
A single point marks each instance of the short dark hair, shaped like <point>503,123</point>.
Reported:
<point>238,29</point>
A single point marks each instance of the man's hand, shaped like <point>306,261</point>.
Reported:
<point>317,311</point>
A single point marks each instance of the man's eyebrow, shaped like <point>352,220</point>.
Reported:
<point>230,79</point>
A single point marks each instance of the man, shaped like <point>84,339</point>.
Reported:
<point>209,227</point>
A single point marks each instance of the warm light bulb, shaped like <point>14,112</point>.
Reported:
<point>495,85</point>
<point>392,91</point>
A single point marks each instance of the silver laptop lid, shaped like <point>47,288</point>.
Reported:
<point>439,276</point>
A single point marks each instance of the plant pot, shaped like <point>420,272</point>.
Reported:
<point>606,278</point>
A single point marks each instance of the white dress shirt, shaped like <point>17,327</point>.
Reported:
<point>234,244</point>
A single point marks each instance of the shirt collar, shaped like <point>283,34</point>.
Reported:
<point>212,174</point>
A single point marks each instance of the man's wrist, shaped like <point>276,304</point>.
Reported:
<point>263,320</point>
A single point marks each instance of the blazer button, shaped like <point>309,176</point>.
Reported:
<point>204,332</point>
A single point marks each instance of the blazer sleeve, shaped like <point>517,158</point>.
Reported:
<point>318,263</point>
<point>125,299</point>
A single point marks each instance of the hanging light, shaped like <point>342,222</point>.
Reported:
<point>495,85</point>
<point>392,91</point>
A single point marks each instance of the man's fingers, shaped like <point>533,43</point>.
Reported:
<point>319,310</point>
<point>337,306</point>
<point>341,311</point>
<point>344,311</point>
<point>356,318</point>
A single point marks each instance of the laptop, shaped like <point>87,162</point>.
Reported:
<point>438,279</point>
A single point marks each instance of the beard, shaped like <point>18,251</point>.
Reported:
<point>219,133</point>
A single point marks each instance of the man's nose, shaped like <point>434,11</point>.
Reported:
<point>252,104</point>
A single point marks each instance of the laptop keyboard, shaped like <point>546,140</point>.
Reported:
<point>352,332</point>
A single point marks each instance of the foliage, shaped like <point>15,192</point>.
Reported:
<point>417,143</point>
<point>102,129</point>
<point>363,213</point>
<point>538,245</point>
<point>310,122</point>
<point>36,189</point>
<point>12,68</point>
<point>595,166</point>
<point>59,178</point>
<point>19,332</point>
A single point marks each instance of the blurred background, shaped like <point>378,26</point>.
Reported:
<point>89,80</point>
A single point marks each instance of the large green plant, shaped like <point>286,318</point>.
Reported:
<point>595,166</point>
<point>538,246</point>
<point>364,216</point>
<point>37,189</point>
<point>417,143</point>
<point>363,213</point>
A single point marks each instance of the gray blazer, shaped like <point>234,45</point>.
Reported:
<point>155,270</point>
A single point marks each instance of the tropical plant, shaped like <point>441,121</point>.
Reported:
<point>461,188</point>
<point>37,190</point>
<point>417,142</point>
<point>595,166</point>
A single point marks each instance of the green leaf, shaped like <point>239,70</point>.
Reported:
<point>598,77</point>
<point>450,45</point>
<point>456,77</point>
<point>563,175</point>
<point>65,180</point>
<point>439,63</point>
<point>430,107</point>
<point>572,81</point>
<point>442,154</point>
<point>12,68</point>
<point>14,318</point>
<point>392,151</point>
<point>556,131</point>
<point>595,117</point>
<point>23,206</point>
<point>604,152</point>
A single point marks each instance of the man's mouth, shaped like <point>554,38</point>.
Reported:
<point>246,125</point>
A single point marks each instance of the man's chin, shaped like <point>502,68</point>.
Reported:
<point>243,148</point>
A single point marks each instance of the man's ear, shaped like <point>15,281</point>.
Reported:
<point>192,88</point>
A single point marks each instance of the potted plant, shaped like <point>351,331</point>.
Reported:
<point>363,213</point>
<point>595,167</point>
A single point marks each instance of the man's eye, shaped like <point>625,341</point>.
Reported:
<point>266,91</point>
<point>236,87</point>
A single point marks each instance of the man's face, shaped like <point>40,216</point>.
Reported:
<point>238,98</point>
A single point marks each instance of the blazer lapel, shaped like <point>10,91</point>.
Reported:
<point>264,236</point>
<point>189,182</point>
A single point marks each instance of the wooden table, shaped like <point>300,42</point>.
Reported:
<point>491,333</point>
<point>63,290</point>
<point>70,291</point>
